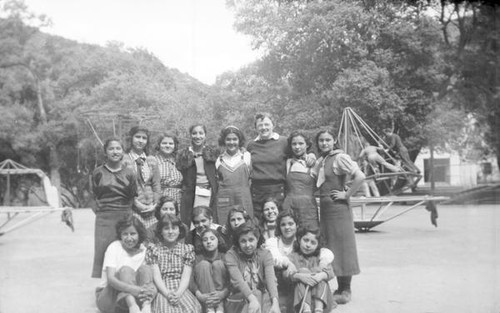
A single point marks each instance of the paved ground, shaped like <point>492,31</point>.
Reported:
<point>407,265</point>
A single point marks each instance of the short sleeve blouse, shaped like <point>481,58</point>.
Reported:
<point>170,261</point>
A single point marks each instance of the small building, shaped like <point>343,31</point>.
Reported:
<point>452,170</point>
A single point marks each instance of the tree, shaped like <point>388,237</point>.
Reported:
<point>378,57</point>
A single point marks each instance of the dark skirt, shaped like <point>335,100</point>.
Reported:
<point>105,233</point>
<point>337,226</point>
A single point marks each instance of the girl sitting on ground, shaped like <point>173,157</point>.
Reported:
<point>127,283</point>
<point>311,291</point>
<point>281,247</point>
<point>172,263</point>
<point>210,277</point>
<point>253,283</point>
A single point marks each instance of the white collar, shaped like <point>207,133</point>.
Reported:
<point>274,136</point>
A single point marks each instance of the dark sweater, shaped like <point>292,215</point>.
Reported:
<point>268,160</point>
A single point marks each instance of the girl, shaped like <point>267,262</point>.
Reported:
<point>270,212</point>
<point>210,279</point>
<point>114,188</point>
<point>269,155</point>
<point>201,219</point>
<point>310,273</point>
<point>236,216</point>
<point>197,165</point>
<point>166,205</point>
<point>127,283</point>
<point>172,264</point>
<point>251,271</point>
<point>233,169</point>
<point>146,169</point>
<point>281,247</point>
<point>170,177</point>
<point>300,181</point>
<point>337,223</point>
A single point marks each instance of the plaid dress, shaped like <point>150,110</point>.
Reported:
<point>171,263</point>
<point>170,178</point>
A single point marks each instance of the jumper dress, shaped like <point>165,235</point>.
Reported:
<point>234,189</point>
<point>337,224</point>
<point>300,198</point>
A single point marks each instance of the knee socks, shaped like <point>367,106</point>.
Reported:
<point>344,283</point>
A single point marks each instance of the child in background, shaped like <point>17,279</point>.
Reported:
<point>236,216</point>
<point>202,218</point>
<point>250,267</point>
<point>166,205</point>
<point>127,281</point>
<point>210,278</point>
<point>310,278</point>
<point>270,211</point>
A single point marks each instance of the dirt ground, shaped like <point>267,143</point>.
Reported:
<point>407,264</point>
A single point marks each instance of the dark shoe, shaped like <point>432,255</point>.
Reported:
<point>342,297</point>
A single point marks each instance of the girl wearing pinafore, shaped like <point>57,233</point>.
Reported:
<point>233,169</point>
<point>300,182</point>
<point>337,223</point>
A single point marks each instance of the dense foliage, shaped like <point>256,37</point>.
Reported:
<point>398,64</point>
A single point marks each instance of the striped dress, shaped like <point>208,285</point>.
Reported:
<point>171,263</point>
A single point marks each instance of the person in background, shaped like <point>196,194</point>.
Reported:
<point>166,205</point>
<point>146,170</point>
<point>233,171</point>
<point>197,165</point>
<point>396,144</point>
<point>170,177</point>
<point>270,212</point>
<point>337,224</point>
<point>115,188</point>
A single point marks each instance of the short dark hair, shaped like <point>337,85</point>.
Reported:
<point>201,209</point>
<point>298,133</point>
<point>192,127</point>
<point>170,219</point>
<point>281,216</point>
<point>161,202</point>
<point>231,130</point>
<point>326,131</point>
<point>130,220</point>
<point>109,141</point>
<point>245,228</point>
<point>302,232</point>
<point>266,200</point>
<point>134,130</point>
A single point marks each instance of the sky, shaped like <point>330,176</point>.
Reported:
<point>193,36</point>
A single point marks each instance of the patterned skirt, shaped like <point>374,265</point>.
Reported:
<point>187,303</point>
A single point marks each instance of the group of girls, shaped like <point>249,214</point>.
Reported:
<point>210,217</point>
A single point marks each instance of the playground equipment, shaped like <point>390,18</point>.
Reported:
<point>393,186</point>
<point>18,216</point>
